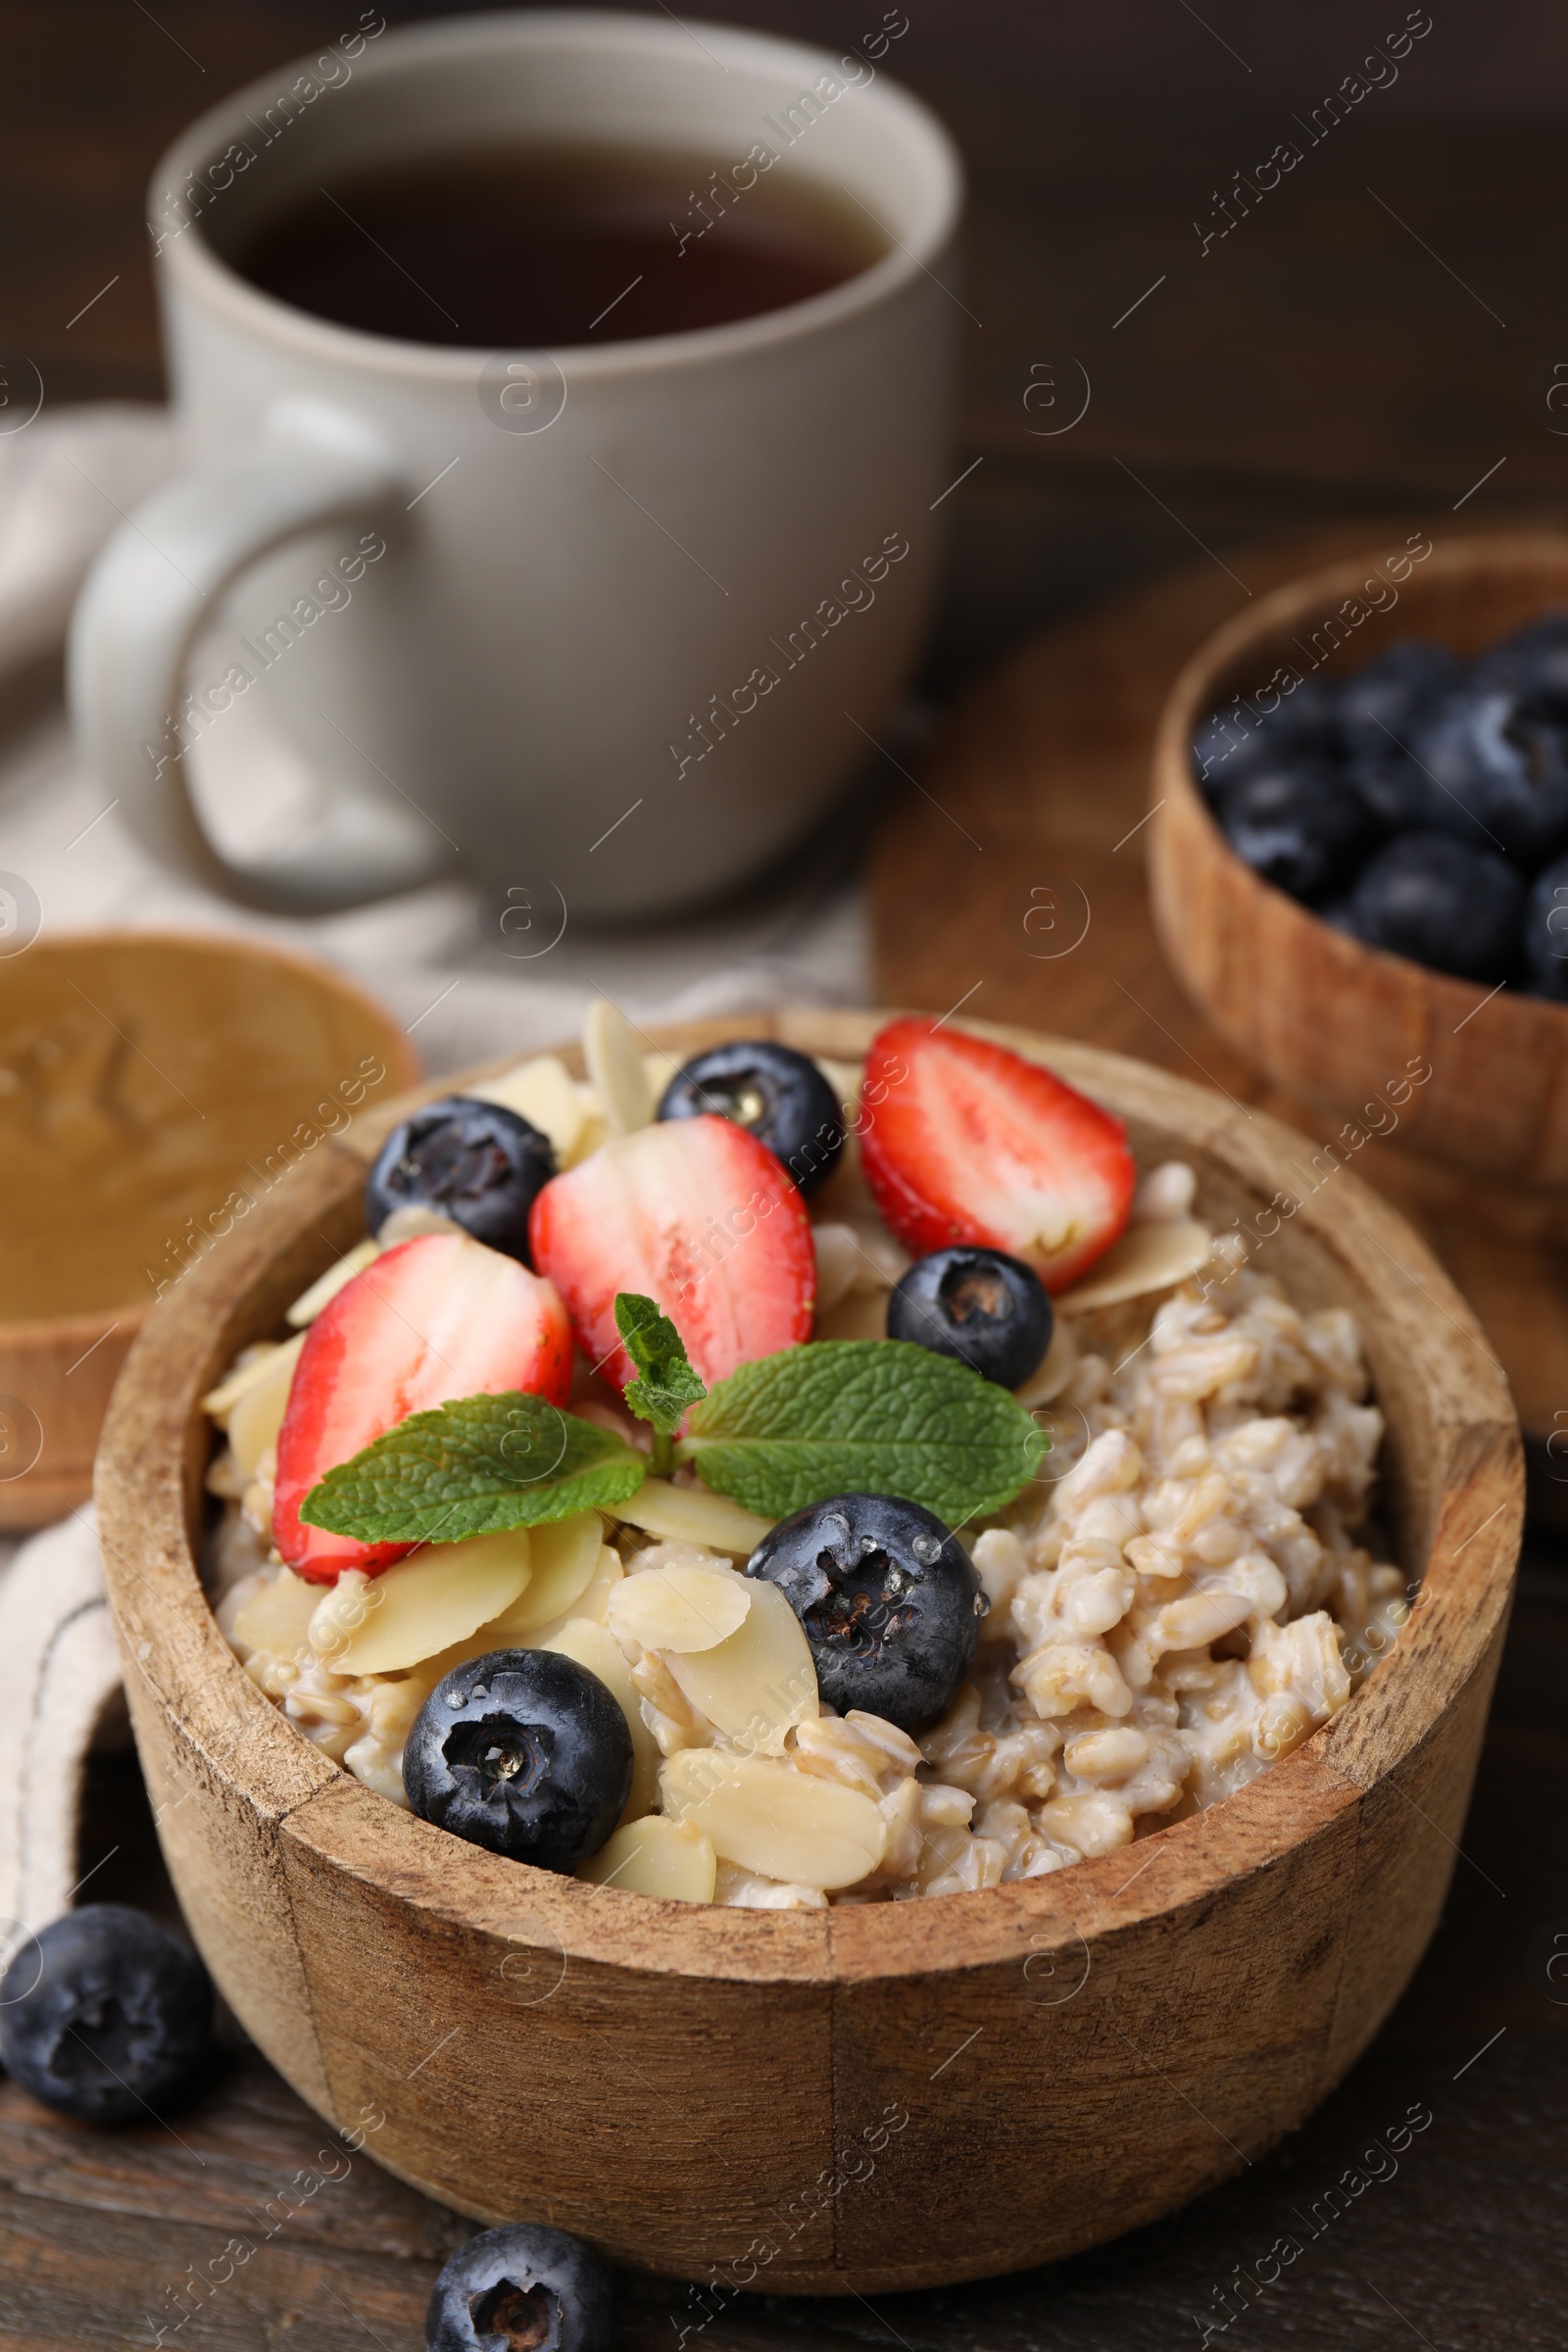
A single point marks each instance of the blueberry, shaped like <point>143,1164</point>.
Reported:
<point>1385,697</point>
<point>522,2288</point>
<point>105,2015</point>
<point>522,1751</point>
<point>1303,828</point>
<point>1227,746</point>
<point>1381,709</point>
<point>988,1309</point>
<point>1501,765</point>
<point>889,1600</point>
<point>1534,661</point>
<point>1437,899</point>
<point>476,1162</point>
<point>779,1095</point>
<point>1547,932</point>
<point>1398,794</point>
<point>1240,741</point>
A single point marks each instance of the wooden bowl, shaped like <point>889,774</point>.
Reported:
<point>863,2098</point>
<point>1331,1021</point>
<point>150,1084</point>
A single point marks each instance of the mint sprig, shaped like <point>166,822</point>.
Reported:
<point>472,1467</point>
<point>669,1384</point>
<point>832,1417</point>
<point>862,1416</point>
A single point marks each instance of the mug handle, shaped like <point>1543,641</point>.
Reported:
<point>142,605</point>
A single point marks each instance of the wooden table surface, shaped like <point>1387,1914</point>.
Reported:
<point>1380,334</point>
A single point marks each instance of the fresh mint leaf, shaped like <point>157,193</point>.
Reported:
<point>472,1467</point>
<point>864,1416</point>
<point>669,1385</point>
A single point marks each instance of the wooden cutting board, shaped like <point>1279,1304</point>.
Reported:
<point>1010,883</point>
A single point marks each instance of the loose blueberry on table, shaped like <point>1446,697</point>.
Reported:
<point>522,2288</point>
<point>104,2015</point>
<point>1413,803</point>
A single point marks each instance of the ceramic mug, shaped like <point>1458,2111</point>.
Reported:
<point>609,616</point>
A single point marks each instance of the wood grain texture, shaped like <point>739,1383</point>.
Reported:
<point>1031,821</point>
<point>679,2084</point>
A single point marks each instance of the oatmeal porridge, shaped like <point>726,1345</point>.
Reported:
<point>1171,1599</point>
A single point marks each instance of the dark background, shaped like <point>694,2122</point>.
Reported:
<point>1323,359</point>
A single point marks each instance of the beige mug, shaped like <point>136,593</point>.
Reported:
<point>611,616</point>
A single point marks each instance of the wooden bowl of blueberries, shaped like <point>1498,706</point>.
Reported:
<point>1359,861</point>
<point>658,1590</point>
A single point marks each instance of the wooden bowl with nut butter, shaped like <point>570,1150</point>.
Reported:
<point>870,2095</point>
<point>153,1091</point>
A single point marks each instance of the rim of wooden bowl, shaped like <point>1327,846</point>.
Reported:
<point>1459,1517</point>
<point>1215,671</point>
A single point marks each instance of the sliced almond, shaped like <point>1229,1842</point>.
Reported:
<point>591,1602</point>
<point>263,1366</point>
<point>562,1557</point>
<point>595,1648</point>
<point>846,1079</point>
<point>761,1682</point>
<point>770,1819</point>
<point>425,1603</point>
<point>1147,1257</point>
<point>687,1605</point>
<point>1166,1192</point>
<point>309,1304</point>
<point>545,1094</point>
<point>659,1069</point>
<point>256,1419</point>
<point>858,1315</point>
<point>693,1515</point>
<point>838,1256</point>
<point>278,1617</point>
<point>671,1859</point>
<point>613,1050</point>
<point>411,1223</point>
<point>1055,1369</point>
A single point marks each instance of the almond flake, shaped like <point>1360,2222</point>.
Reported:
<point>563,1556</point>
<point>770,1819</point>
<point>759,1682</point>
<point>256,1417</point>
<point>686,1605</point>
<point>261,1366</point>
<point>422,1605</point>
<point>325,1288</point>
<point>671,1859</point>
<point>693,1515</point>
<point>1147,1257</point>
<point>545,1094</point>
<point>595,1648</point>
<point>613,1052</point>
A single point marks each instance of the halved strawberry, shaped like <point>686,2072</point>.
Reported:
<point>435,1318</point>
<point>694,1213</point>
<point>964,1140</point>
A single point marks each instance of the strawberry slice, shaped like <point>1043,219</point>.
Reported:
<point>694,1213</point>
<point>435,1318</point>
<point>966,1141</point>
